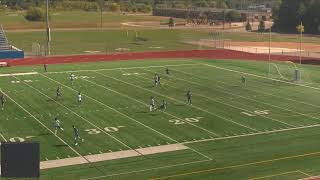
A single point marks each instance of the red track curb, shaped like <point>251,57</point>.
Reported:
<point>203,54</point>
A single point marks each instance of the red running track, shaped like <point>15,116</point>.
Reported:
<point>203,54</point>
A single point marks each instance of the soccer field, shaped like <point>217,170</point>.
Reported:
<point>268,129</point>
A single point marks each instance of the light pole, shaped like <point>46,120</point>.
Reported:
<point>48,36</point>
<point>269,49</point>
<point>300,29</point>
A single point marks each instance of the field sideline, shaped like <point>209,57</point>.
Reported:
<point>268,129</point>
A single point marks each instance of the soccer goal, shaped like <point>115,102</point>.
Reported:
<point>289,71</point>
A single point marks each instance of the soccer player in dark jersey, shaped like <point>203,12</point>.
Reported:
<point>163,105</point>
<point>2,100</point>
<point>159,82</point>
<point>155,80</point>
<point>58,92</point>
<point>45,66</point>
<point>76,135</point>
<point>243,80</point>
<point>189,95</point>
<point>167,71</point>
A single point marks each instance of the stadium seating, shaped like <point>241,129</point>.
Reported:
<point>4,45</point>
<point>6,50</point>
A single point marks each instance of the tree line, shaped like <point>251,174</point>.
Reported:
<point>292,13</point>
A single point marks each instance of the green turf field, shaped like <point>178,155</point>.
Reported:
<point>108,41</point>
<point>266,130</point>
<point>75,19</point>
<point>117,40</point>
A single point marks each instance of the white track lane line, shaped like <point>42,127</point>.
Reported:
<point>207,157</point>
<point>195,107</point>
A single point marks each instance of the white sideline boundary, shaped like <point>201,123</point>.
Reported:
<point>217,101</point>
<point>259,92</point>
<point>286,109</point>
<point>136,121</point>
<point>127,68</point>
<point>111,156</point>
<point>104,87</point>
<point>262,77</point>
<point>149,169</point>
<point>195,107</point>
<point>253,134</point>
<point>250,99</point>
<point>31,115</point>
<point>92,124</point>
<point>18,74</point>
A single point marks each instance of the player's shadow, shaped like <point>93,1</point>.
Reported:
<point>61,145</point>
<point>45,134</point>
<point>142,112</point>
<point>178,105</point>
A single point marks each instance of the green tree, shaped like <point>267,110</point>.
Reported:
<point>301,10</point>
<point>35,14</point>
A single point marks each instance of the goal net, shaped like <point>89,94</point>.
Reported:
<point>289,71</point>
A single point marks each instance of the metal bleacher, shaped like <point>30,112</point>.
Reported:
<point>4,45</point>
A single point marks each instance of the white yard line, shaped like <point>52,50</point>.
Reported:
<point>112,156</point>
<point>286,109</point>
<point>262,77</point>
<point>147,105</point>
<point>149,169</point>
<point>149,126</point>
<point>112,69</point>
<point>92,124</point>
<point>144,170</point>
<point>195,107</point>
<point>18,74</point>
<point>234,107</point>
<point>259,92</point>
<point>42,124</point>
<point>253,134</point>
<point>2,136</point>
<point>207,157</point>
